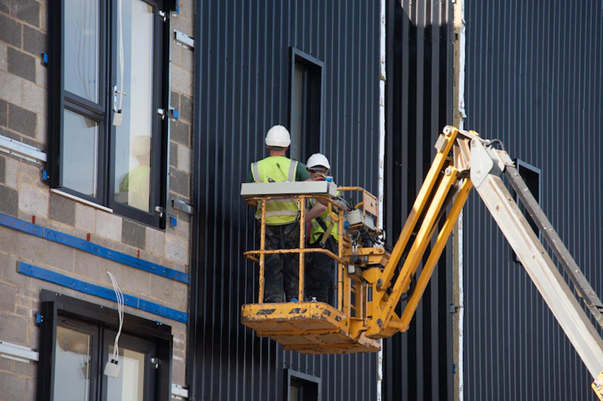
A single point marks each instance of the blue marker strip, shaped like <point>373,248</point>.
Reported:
<point>86,246</point>
<point>101,292</point>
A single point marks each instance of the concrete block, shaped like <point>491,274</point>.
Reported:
<point>22,121</point>
<point>180,297</point>
<point>182,80</point>
<point>8,265</point>
<point>180,132</point>
<point>11,173</point>
<point>186,106</point>
<point>176,249</point>
<point>162,290</point>
<point>5,6</point>
<point>183,25</point>
<point>184,159</point>
<point>41,75</point>
<point>154,241</point>
<point>10,31</point>
<point>34,97</point>
<point>179,182</point>
<point>173,154</point>
<point>10,86</point>
<point>28,11</point>
<point>87,265</point>
<point>118,270</point>
<point>25,369</point>
<point>178,373</point>
<point>3,56</point>
<point>133,234</point>
<point>62,209</point>
<point>44,17</point>
<point>30,248</point>
<point>187,60</point>
<point>85,217</point>
<point>137,281</point>
<point>60,256</point>
<point>34,41</point>
<point>9,200</point>
<point>21,64</point>
<point>108,225</point>
<point>33,334</point>
<point>13,329</point>
<point>6,365</point>
<point>31,385</point>
<point>13,387</point>
<point>187,9</point>
<point>3,109</point>
<point>33,200</point>
<point>8,298</point>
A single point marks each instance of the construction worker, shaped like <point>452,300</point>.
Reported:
<point>323,234</point>
<point>282,228</point>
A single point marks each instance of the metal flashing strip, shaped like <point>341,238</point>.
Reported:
<point>101,292</point>
<point>86,246</point>
<point>21,150</point>
<point>18,352</point>
<point>179,392</point>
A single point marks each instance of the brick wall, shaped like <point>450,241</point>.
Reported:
<point>23,194</point>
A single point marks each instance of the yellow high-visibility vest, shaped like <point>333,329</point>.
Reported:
<point>276,169</point>
<point>317,231</point>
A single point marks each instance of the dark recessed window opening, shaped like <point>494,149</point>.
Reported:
<point>531,176</point>
<point>301,387</point>
<point>306,105</point>
<point>109,89</point>
<point>77,341</point>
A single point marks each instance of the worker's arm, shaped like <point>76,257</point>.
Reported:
<point>315,211</point>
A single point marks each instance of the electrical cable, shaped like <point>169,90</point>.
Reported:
<point>119,295</point>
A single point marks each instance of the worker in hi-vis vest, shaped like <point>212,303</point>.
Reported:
<point>323,234</point>
<point>281,272</point>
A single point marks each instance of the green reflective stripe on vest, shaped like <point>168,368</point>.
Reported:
<point>276,169</point>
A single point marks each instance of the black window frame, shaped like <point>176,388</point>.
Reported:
<point>59,99</point>
<point>305,381</point>
<point>313,99</point>
<point>55,306</point>
<point>529,174</point>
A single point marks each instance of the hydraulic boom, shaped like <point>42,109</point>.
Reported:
<point>372,281</point>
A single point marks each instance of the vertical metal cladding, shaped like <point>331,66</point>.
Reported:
<point>242,88</point>
<point>534,80</point>
<point>418,363</point>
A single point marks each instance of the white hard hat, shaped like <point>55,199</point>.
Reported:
<point>317,160</point>
<point>278,136</point>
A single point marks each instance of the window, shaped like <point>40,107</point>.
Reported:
<point>76,343</point>
<point>306,105</point>
<point>302,387</point>
<point>107,123</point>
<point>531,176</point>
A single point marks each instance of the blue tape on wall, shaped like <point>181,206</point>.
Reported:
<point>101,292</point>
<point>86,246</point>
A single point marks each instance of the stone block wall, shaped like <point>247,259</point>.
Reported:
<point>24,195</point>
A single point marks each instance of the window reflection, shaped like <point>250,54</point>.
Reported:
<point>81,48</point>
<point>72,379</point>
<point>80,147</point>
<point>133,147</point>
<point>128,386</point>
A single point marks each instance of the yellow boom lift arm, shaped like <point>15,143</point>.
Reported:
<point>372,281</point>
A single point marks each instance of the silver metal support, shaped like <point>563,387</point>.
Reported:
<point>182,206</point>
<point>179,392</point>
<point>18,353</point>
<point>22,150</point>
<point>184,40</point>
<point>538,264</point>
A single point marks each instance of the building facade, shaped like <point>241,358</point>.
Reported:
<point>533,81</point>
<point>87,187</point>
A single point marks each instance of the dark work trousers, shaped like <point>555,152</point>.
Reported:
<point>282,266</point>
<point>319,273</point>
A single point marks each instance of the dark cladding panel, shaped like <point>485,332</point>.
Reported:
<point>418,363</point>
<point>534,81</point>
<point>242,55</point>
